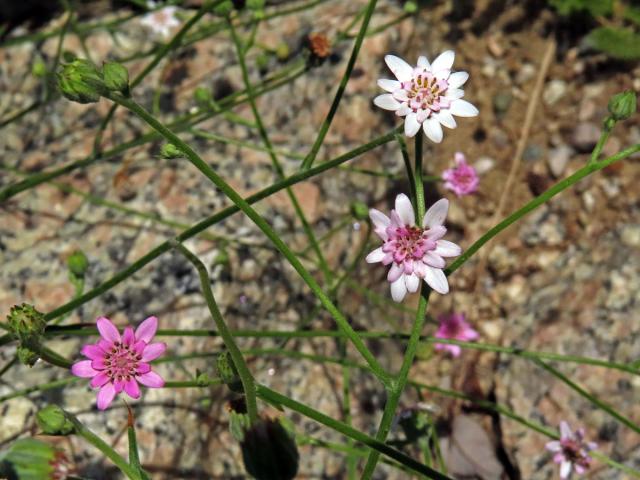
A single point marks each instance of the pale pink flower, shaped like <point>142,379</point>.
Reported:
<point>161,21</point>
<point>427,95</point>
<point>454,327</point>
<point>463,178</point>
<point>571,451</point>
<point>414,252</point>
<point>118,363</point>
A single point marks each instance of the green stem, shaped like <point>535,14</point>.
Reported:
<point>608,125</point>
<point>418,324</point>
<point>324,128</point>
<point>326,271</point>
<point>38,388</point>
<point>243,205</point>
<point>246,378</point>
<point>276,398</point>
<point>101,445</point>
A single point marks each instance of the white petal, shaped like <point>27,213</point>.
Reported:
<point>446,119</point>
<point>411,125</point>
<point>443,74</point>
<point>386,101</point>
<point>401,69</point>
<point>565,431</point>
<point>423,62</point>
<point>419,268</point>
<point>462,108</point>
<point>436,214</point>
<point>388,85</point>
<point>395,272</point>
<point>437,280</point>
<point>432,129</point>
<point>412,282</point>
<point>379,219</point>
<point>553,446</point>
<point>433,260</point>
<point>376,256</point>
<point>398,290</point>
<point>445,248</point>
<point>403,110</point>
<point>454,93</point>
<point>565,469</point>
<point>456,79</point>
<point>443,62</point>
<point>405,209</point>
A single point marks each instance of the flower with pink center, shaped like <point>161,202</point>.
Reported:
<point>161,21</point>
<point>571,451</point>
<point>119,362</point>
<point>427,95</point>
<point>463,178</point>
<point>414,252</point>
<point>454,327</point>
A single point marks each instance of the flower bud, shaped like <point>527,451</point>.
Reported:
<point>623,105</point>
<point>26,323</point>
<point>116,77</point>
<point>27,356</point>
<point>202,96</point>
<point>282,51</point>
<point>78,263</point>
<point>269,451</point>
<point>80,81</point>
<point>228,372</point>
<point>169,151</point>
<point>52,421</point>
<point>39,69</point>
<point>410,7</point>
<point>360,210</point>
<point>239,421</point>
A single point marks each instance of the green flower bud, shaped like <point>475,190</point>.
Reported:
<point>224,8</point>
<point>80,81</point>
<point>269,451</point>
<point>26,323</point>
<point>360,210</point>
<point>623,105</point>
<point>169,151</point>
<point>202,96</point>
<point>52,421</point>
<point>27,356</point>
<point>410,7</point>
<point>78,263</point>
<point>30,459</point>
<point>116,77</point>
<point>39,69</point>
<point>228,373</point>
<point>283,51</point>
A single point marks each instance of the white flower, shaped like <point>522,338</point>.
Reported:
<point>427,95</point>
<point>161,21</point>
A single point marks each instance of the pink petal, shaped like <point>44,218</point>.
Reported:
<point>83,369</point>
<point>151,379</point>
<point>108,330</point>
<point>132,389</point>
<point>147,329</point>
<point>118,385</point>
<point>105,345</point>
<point>153,351</point>
<point>92,351</point>
<point>98,364</point>
<point>565,431</point>
<point>105,396</point>
<point>99,380</point>
<point>143,368</point>
<point>128,336</point>
<point>138,347</point>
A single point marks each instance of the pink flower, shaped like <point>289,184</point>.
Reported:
<point>414,252</point>
<point>118,363</point>
<point>427,95</point>
<point>454,327</point>
<point>463,178</point>
<point>571,451</point>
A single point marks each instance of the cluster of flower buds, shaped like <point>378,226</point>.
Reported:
<point>26,325</point>
<point>83,82</point>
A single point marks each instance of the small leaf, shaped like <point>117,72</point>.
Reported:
<point>619,43</point>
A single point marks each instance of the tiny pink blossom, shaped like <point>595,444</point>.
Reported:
<point>414,252</point>
<point>462,179</point>
<point>428,95</point>
<point>118,363</point>
<point>454,327</point>
<point>571,451</point>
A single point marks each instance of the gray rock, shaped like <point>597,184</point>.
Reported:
<point>558,159</point>
<point>630,235</point>
<point>554,91</point>
<point>585,136</point>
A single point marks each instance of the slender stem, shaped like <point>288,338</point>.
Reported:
<point>324,128</point>
<point>246,378</point>
<point>243,205</point>
<point>101,445</point>
<point>608,125</point>
<point>407,164</point>
<point>276,398</point>
<point>326,271</point>
<point>418,324</point>
<point>38,388</point>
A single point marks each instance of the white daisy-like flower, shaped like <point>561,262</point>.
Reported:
<point>161,21</point>
<point>428,95</point>
<point>414,252</point>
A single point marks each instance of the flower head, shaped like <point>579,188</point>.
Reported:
<point>414,252</point>
<point>161,21</point>
<point>118,363</point>
<point>454,327</point>
<point>428,95</point>
<point>571,451</point>
<point>463,178</point>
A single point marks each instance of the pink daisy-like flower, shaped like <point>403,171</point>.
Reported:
<point>414,252</point>
<point>463,178</point>
<point>118,363</point>
<point>454,327</point>
<point>571,451</point>
<point>427,95</point>
<point>161,21</point>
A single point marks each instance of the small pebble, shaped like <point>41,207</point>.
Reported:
<point>558,159</point>
<point>554,91</point>
<point>585,136</point>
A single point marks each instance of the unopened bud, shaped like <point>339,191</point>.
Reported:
<point>80,81</point>
<point>228,373</point>
<point>116,77</point>
<point>52,421</point>
<point>360,210</point>
<point>169,151</point>
<point>202,96</point>
<point>623,105</point>
<point>78,263</point>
